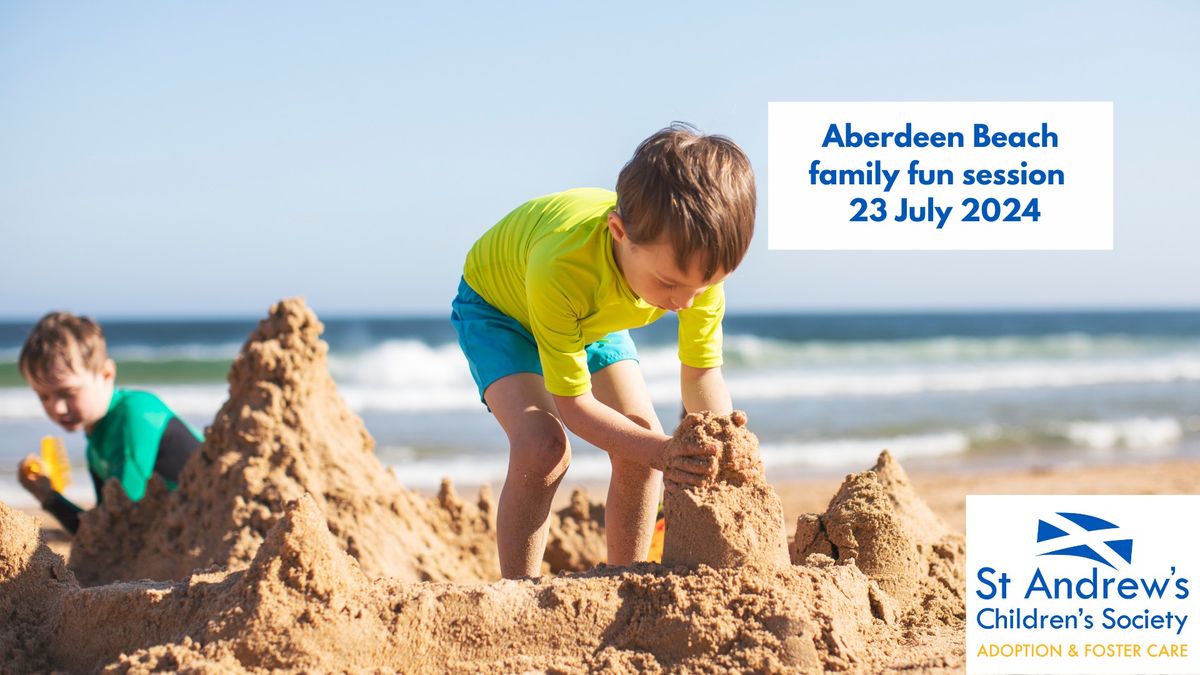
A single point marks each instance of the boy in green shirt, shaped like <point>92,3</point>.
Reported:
<point>130,434</point>
<point>542,313</point>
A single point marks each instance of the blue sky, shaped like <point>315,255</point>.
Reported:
<point>208,158</point>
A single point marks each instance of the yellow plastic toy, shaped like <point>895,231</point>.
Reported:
<point>54,463</point>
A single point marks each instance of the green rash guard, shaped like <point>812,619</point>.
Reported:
<point>137,437</point>
<point>124,444</point>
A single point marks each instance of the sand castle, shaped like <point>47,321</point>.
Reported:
<point>288,546</point>
<point>877,522</point>
<point>734,518</point>
<point>283,433</point>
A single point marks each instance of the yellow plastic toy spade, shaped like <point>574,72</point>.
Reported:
<point>54,463</point>
<point>57,464</point>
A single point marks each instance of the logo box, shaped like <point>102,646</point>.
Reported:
<point>1083,584</point>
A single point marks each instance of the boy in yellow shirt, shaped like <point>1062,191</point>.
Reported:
<point>542,313</point>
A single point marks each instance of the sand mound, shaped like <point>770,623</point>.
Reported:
<point>32,582</point>
<point>734,518</point>
<point>576,539</point>
<point>283,433</point>
<point>320,561</point>
<point>304,604</point>
<point>877,522</point>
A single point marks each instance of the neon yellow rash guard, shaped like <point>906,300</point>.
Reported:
<point>549,264</point>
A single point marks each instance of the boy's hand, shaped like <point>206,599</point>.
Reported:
<point>29,472</point>
<point>684,465</point>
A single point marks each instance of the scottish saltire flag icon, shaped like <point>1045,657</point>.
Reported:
<point>1081,543</point>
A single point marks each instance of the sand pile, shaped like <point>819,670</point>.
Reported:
<point>283,433</point>
<point>305,604</point>
<point>33,580</point>
<point>734,518</point>
<point>320,561</point>
<point>576,540</point>
<point>877,522</point>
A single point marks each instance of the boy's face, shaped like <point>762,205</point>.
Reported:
<point>652,273</point>
<point>76,399</point>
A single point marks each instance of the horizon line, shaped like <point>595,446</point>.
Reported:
<point>754,312</point>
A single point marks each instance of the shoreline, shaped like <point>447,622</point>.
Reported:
<point>944,490</point>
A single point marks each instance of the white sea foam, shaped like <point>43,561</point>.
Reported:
<point>592,466</point>
<point>1139,433</point>
<point>861,452</point>
<point>586,466</point>
<point>847,453</point>
<point>961,378</point>
<point>400,363</point>
<point>754,350</point>
<point>412,361</point>
<point>412,377</point>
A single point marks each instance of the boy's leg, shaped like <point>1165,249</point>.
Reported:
<point>538,455</point>
<point>634,489</point>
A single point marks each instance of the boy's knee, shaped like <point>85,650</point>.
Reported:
<point>540,454</point>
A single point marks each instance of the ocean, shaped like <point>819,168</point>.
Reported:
<point>823,392</point>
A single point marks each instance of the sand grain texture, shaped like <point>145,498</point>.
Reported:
<point>33,581</point>
<point>877,522</point>
<point>304,604</point>
<point>283,433</point>
<point>576,540</point>
<point>734,518</point>
<point>312,558</point>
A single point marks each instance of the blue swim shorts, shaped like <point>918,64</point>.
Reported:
<point>497,345</point>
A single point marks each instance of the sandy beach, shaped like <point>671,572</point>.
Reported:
<point>943,492</point>
<point>290,547</point>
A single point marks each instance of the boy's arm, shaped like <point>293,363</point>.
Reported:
<point>700,344</point>
<point>64,511</point>
<point>704,389</point>
<point>606,428</point>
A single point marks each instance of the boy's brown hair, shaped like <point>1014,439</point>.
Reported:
<point>697,188</point>
<point>62,341</point>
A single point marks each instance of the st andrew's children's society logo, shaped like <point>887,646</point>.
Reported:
<point>1082,584</point>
